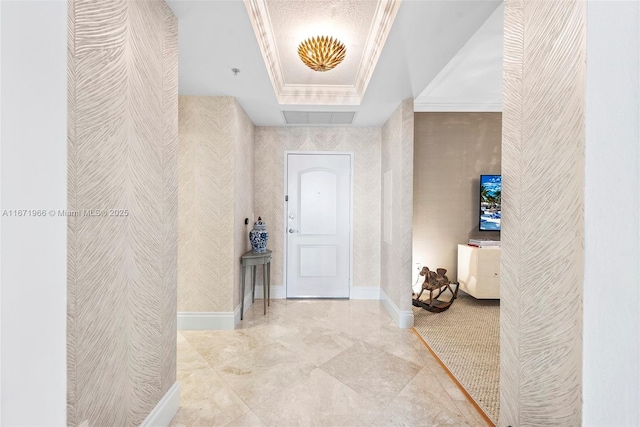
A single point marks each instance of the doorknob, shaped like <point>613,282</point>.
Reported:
<point>291,230</point>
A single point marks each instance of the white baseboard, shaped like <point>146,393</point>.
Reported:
<point>404,319</point>
<point>277,292</point>
<point>364,292</point>
<point>165,410</point>
<point>204,321</point>
<point>356,292</point>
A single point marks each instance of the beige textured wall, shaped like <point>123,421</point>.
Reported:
<point>397,157</point>
<point>216,194</point>
<point>542,263</point>
<point>244,186</point>
<point>272,142</point>
<point>122,154</point>
<point>451,151</point>
<point>206,220</point>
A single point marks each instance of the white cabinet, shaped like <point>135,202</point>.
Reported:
<point>479,271</point>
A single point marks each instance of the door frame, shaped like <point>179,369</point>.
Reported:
<point>285,255</point>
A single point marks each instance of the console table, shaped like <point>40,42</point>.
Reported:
<point>252,260</point>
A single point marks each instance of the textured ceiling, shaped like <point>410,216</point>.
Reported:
<point>293,22</point>
<point>280,26</point>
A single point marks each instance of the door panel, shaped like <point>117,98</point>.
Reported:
<point>318,225</point>
<point>318,202</point>
<point>318,261</point>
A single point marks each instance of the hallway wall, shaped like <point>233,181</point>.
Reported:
<point>542,262</point>
<point>216,155</point>
<point>244,192</point>
<point>397,247</point>
<point>122,155</point>
<point>271,144</point>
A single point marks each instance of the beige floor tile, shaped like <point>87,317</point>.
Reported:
<point>384,419</point>
<point>316,343</point>
<point>370,306</point>
<point>318,400</point>
<point>188,359</point>
<point>399,342</point>
<point>471,414</point>
<point>262,372</point>
<point>207,400</point>
<point>218,347</point>
<point>374,373</point>
<point>455,393</point>
<point>304,311</point>
<point>247,420</point>
<point>266,372</point>
<point>445,380</point>
<point>425,402</point>
<point>254,314</point>
<point>185,417</point>
<point>356,322</point>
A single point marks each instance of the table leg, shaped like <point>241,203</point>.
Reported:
<point>253,284</point>
<point>242,294</point>
<point>269,283</point>
<point>265,290</point>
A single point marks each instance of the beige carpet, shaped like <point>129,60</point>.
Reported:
<point>467,340</point>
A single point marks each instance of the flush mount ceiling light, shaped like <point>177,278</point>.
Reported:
<point>321,53</point>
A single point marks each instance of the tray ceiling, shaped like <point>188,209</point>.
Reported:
<point>216,36</point>
<point>280,26</point>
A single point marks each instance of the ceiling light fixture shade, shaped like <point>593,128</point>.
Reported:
<point>321,53</point>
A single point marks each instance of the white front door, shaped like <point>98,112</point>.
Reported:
<point>318,225</point>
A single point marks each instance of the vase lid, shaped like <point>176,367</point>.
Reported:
<point>260,225</point>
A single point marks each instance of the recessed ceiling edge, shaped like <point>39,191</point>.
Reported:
<point>297,94</point>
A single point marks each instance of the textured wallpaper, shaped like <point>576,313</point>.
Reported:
<point>542,265</point>
<point>451,151</point>
<point>244,185</point>
<point>397,157</point>
<point>206,238</point>
<point>216,194</point>
<point>122,155</point>
<point>271,144</point>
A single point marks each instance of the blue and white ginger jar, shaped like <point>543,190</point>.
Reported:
<point>259,236</point>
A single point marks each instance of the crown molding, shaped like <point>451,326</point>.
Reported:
<point>380,28</point>
<point>442,107</point>
<point>259,16</point>
<point>295,94</point>
<point>300,94</point>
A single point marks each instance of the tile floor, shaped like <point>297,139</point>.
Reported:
<point>315,363</point>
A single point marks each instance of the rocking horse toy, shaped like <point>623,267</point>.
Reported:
<point>435,281</point>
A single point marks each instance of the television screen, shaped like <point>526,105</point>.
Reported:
<point>490,202</point>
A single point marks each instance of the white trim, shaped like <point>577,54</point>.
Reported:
<point>277,292</point>
<point>427,107</point>
<point>364,292</point>
<point>1,221</point>
<point>288,93</point>
<point>285,180</point>
<point>205,321</point>
<point>165,410</point>
<point>404,319</point>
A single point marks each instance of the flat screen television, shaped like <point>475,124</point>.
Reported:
<point>490,202</point>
